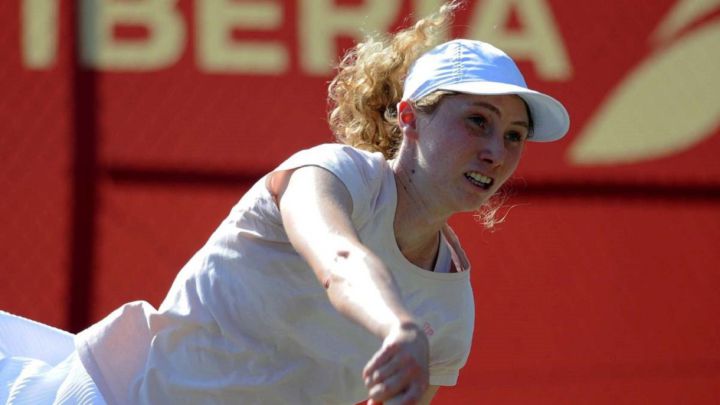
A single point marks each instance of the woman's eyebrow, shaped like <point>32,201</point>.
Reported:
<point>488,106</point>
<point>499,113</point>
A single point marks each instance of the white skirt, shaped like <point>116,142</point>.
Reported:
<point>39,365</point>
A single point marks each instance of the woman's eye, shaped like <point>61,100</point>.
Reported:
<point>478,120</point>
<point>514,136</point>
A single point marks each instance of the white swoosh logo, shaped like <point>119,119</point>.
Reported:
<point>668,104</point>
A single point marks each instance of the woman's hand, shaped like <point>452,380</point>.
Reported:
<point>398,372</point>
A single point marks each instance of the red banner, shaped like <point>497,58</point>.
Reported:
<point>129,129</point>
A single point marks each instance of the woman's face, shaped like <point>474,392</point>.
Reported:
<point>469,146</point>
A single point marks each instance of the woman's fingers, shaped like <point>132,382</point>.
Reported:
<point>401,363</point>
<point>381,357</point>
<point>412,396</point>
<point>386,396</point>
<point>398,372</point>
<point>390,387</point>
<point>403,375</point>
<point>383,371</point>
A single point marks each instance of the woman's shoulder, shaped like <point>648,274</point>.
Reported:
<point>349,163</point>
<point>343,150</point>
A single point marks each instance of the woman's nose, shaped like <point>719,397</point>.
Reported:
<point>493,150</point>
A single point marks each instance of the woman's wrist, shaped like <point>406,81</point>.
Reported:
<point>411,325</point>
<point>404,325</point>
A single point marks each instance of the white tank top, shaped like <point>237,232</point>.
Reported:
<point>246,321</point>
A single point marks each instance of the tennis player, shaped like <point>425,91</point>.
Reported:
<point>336,278</point>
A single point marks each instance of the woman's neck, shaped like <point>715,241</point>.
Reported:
<point>417,226</point>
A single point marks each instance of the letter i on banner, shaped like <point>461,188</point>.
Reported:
<point>102,50</point>
<point>39,19</point>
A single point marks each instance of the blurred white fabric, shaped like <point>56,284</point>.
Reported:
<point>39,365</point>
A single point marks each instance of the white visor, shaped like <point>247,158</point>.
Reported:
<point>475,67</point>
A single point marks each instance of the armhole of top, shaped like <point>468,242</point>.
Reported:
<point>277,181</point>
<point>444,259</point>
<point>330,157</point>
<point>460,262</point>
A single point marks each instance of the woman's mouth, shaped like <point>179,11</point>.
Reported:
<point>479,179</point>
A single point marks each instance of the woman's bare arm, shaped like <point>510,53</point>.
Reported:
<point>316,209</point>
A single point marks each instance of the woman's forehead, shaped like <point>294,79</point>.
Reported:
<point>501,104</point>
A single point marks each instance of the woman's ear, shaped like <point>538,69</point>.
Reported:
<point>407,120</point>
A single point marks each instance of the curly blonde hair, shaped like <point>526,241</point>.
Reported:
<point>364,94</point>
